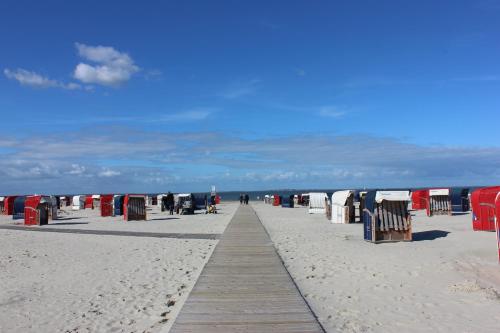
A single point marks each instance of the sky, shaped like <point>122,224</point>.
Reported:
<point>155,96</point>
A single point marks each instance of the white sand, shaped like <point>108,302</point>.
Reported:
<point>55,282</point>
<point>444,284</point>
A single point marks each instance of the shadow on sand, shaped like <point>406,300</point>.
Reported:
<point>459,213</point>
<point>68,218</point>
<point>67,223</point>
<point>164,219</point>
<point>429,235</point>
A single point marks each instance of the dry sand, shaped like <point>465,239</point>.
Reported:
<point>448,279</point>
<point>55,282</point>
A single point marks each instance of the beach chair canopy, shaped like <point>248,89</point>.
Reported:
<point>18,211</point>
<point>287,201</point>
<point>89,202</point>
<point>342,205</point>
<point>8,204</point>
<point>200,202</point>
<point>460,199</point>
<point>107,204</point>
<point>317,203</point>
<point>339,198</point>
<point>118,204</point>
<point>37,210</point>
<point>483,208</point>
<point>78,202</point>
<point>439,202</point>
<point>392,196</point>
<point>159,199</point>
<point>276,200</point>
<point>438,191</point>
<point>419,199</point>
<point>134,207</point>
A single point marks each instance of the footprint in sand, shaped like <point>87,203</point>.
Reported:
<point>467,287</point>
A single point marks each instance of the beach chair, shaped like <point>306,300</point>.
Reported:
<point>18,211</point>
<point>439,202</point>
<point>36,210</point>
<point>342,207</point>
<point>317,203</point>
<point>118,204</point>
<point>419,199</point>
<point>8,205</point>
<point>134,207</point>
<point>483,208</point>
<point>386,217</point>
<point>106,203</point>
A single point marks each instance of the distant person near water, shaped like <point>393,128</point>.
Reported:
<point>241,199</point>
<point>170,203</point>
<point>246,199</point>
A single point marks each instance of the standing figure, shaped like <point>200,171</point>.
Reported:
<point>246,199</point>
<point>241,199</point>
<point>170,203</point>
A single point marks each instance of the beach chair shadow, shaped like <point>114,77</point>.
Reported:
<point>67,223</point>
<point>429,235</point>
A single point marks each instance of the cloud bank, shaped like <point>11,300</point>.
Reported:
<point>124,160</point>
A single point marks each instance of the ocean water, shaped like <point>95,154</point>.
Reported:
<point>259,195</point>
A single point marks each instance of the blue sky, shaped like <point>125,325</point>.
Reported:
<point>178,95</point>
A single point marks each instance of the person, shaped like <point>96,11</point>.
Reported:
<point>241,199</point>
<point>246,199</point>
<point>170,203</point>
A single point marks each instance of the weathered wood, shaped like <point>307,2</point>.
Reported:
<point>244,287</point>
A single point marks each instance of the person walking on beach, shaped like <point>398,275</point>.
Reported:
<point>170,203</point>
<point>241,199</point>
<point>246,199</point>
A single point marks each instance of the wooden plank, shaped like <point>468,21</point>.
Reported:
<point>244,287</point>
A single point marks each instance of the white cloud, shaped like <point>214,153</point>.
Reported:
<point>190,115</point>
<point>108,173</point>
<point>76,169</point>
<point>33,79</point>
<point>331,112</point>
<point>240,89</point>
<point>28,78</point>
<point>110,68</point>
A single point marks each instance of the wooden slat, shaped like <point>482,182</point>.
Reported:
<point>244,287</point>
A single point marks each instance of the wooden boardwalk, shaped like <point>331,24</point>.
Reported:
<point>244,287</point>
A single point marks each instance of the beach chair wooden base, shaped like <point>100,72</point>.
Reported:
<point>393,236</point>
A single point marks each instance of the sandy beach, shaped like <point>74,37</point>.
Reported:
<point>447,279</point>
<point>55,282</point>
